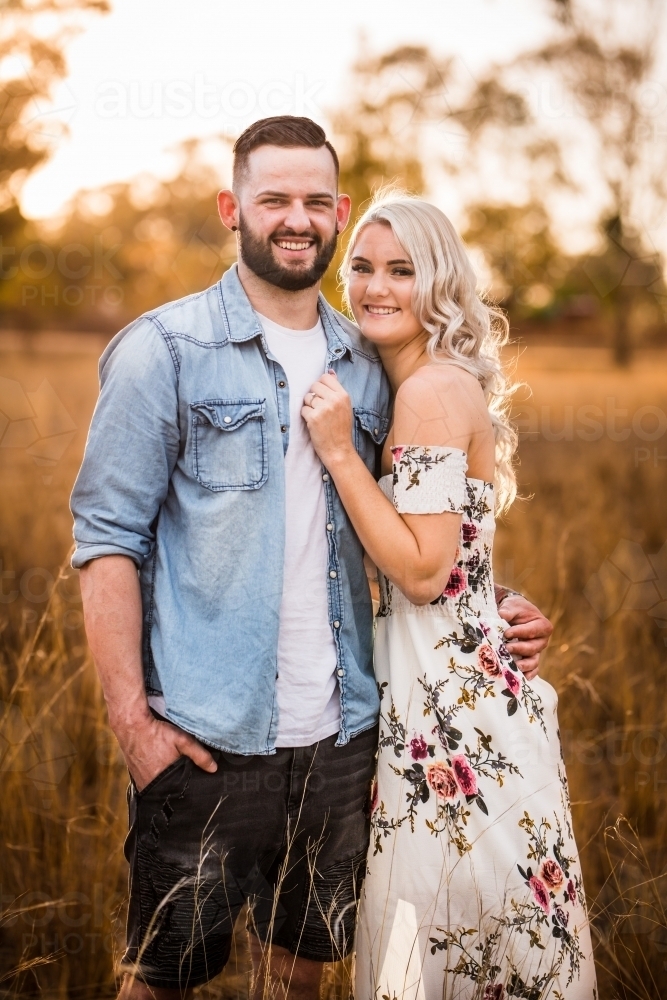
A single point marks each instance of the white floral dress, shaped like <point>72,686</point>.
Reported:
<point>474,887</point>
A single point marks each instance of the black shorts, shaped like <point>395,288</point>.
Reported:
<point>286,833</point>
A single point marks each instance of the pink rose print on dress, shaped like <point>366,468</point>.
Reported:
<point>571,892</point>
<point>441,779</point>
<point>552,874</point>
<point>540,894</point>
<point>457,583</point>
<point>418,748</point>
<point>397,451</point>
<point>464,775</point>
<point>512,681</point>
<point>469,531</point>
<point>488,661</point>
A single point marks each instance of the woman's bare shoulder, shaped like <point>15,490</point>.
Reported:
<point>434,387</point>
<point>438,404</point>
<point>441,376</point>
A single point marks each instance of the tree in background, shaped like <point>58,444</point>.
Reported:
<point>32,61</point>
<point>527,272</point>
<point>526,267</point>
<point>125,248</point>
<point>603,60</point>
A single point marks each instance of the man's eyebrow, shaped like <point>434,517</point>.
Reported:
<point>284,194</point>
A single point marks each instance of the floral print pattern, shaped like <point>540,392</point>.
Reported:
<point>470,584</point>
<point>474,887</point>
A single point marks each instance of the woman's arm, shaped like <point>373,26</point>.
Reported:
<point>415,551</point>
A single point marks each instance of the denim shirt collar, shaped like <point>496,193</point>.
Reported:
<point>241,323</point>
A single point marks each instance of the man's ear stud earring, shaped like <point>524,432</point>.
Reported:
<point>234,228</point>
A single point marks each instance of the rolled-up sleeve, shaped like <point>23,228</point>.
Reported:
<point>131,450</point>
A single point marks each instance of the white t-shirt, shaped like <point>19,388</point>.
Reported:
<point>306,689</point>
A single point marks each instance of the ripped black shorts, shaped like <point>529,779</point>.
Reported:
<point>286,833</point>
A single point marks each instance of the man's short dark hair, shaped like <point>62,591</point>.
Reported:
<point>287,131</point>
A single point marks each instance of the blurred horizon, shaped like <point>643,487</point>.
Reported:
<point>540,128</point>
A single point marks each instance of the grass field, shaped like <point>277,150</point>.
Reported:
<point>587,545</point>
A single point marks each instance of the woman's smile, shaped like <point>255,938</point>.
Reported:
<point>381,310</point>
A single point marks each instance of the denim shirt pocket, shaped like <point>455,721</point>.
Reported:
<point>229,443</point>
<point>370,430</point>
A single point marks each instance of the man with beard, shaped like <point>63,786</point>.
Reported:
<point>225,596</point>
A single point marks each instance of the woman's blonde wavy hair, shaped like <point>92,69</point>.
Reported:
<point>464,330</point>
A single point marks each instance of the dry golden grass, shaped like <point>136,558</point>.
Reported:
<point>63,815</point>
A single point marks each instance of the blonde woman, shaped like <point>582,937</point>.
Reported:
<point>474,886</point>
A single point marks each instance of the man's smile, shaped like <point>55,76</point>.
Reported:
<point>294,245</point>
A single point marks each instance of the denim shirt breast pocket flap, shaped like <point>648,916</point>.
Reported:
<point>229,443</point>
<point>370,430</point>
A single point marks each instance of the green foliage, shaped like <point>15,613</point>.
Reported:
<point>24,144</point>
<point>605,61</point>
<point>119,251</point>
<point>526,266</point>
<point>534,279</point>
<point>129,247</point>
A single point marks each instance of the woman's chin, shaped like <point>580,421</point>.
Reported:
<point>378,331</point>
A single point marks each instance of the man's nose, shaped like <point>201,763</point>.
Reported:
<point>297,218</point>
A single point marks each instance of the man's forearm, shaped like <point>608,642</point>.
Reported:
<point>112,611</point>
<point>113,617</point>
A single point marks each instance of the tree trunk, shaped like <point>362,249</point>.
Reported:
<point>622,337</point>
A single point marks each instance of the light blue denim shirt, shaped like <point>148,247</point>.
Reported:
<point>184,472</point>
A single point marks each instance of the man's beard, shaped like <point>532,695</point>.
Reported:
<point>258,255</point>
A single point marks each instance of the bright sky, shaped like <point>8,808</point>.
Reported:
<point>155,72</point>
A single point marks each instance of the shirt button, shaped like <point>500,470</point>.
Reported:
<point>340,672</point>
<point>329,527</point>
<point>336,624</point>
<point>281,384</point>
<point>375,431</point>
<point>227,420</point>
<point>325,478</point>
<point>333,574</point>
<point>283,427</point>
